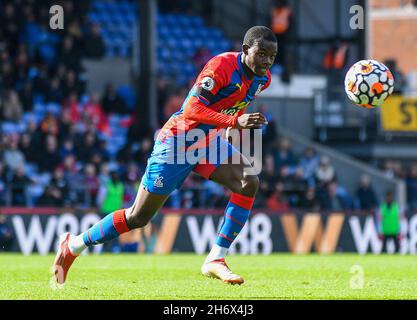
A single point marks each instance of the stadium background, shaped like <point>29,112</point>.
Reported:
<point>79,107</point>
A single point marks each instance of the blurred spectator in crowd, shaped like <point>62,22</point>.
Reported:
<point>49,125</point>
<point>3,185</point>
<point>335,198</point>
<point>86,148</point>
<point>281,14</point>
<point>309,163</point>
<point>94,45</point>
<point>201,56</point>
<point>400,80</point>
<point>68,55</point>
<point>411,183</point>
<point>59,189</point>
<point>19,183</point>
<point>26,96</point>
<point>94,112</point>
<point>365,194</point>
<point>149,237</point>
<point>110,197</point>
<point>13,157</point>
<point>388,168</point>
<point>67,149</point>
<point>51,197</point>
<point>174,102</point>
<point>29,149</point>
<point>91,183</point>
<point>55,92</point>
<point>72,175</point>
<point>294,183</point>
<point>309,200</point>
<point>126,154</point>
<point>269,131</point>
<point>284,156</point>
<point>325,172</point>
<point>112,102</point>
<point>104,174</point>
<point>277,200</point>
<point>267,179</point>
<point>215,194</point>
<point>49,158</point>
<point>389,221</point>
<point>144,152</point>
<point>66,127</point>
<point>394,169</point>
<point>73,107</point>
<point>191,192</point>
<point>11,107</point>
<point>71,84</point>
<point>132,181</point>
<point>35,134</point>
<point>139,129</point>
<point>6,234</point>
<point>163,92</point>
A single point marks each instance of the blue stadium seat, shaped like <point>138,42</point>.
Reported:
<point>211,44</point>
<point>185,43</point>
<point>191,33</point>
<point>38,98</point>
<point>189,69</point>
<point>162,66</point>
<point>215,33</point>
<point>128,95</point>
<point>184,21</point>
<point>164,53</point>
<point>172,43</point>
<point>163,31</point>
<point>93,17</point>
<point>99,5</point>
<point>181,80</point>
<point>170,20</point>
<point>203,33</point>
<point>124,50</point>
<point>110,51</point>
<point>9,128</point>
<point>197,21</point>
<point>177,55</point>
<point>29,116</point>
<point>176,32</point>
<point>31,169</point>
<point>198,43</point>
<point>47,52</point>
<point>225,45</point>
<point>53,108</point>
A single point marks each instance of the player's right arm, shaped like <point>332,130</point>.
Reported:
<point>211,79</point>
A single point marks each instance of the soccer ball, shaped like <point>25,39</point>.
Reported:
<point>368,83</point>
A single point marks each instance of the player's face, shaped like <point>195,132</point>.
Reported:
<point>261,56</point>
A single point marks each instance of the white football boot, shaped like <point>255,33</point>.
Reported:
<point>218,269</point>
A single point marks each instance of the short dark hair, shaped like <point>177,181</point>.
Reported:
<point>258,33</point>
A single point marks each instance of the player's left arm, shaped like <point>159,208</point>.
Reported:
<point>229,133</point>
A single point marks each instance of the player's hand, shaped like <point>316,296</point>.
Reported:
<point>251,121</point>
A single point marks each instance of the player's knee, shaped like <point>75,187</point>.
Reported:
<point>136,219</point>
<point>250,185</point>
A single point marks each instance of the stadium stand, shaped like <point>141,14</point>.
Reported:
<point>58,140</point>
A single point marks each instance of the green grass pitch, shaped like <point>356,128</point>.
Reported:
<point>177,276</point>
